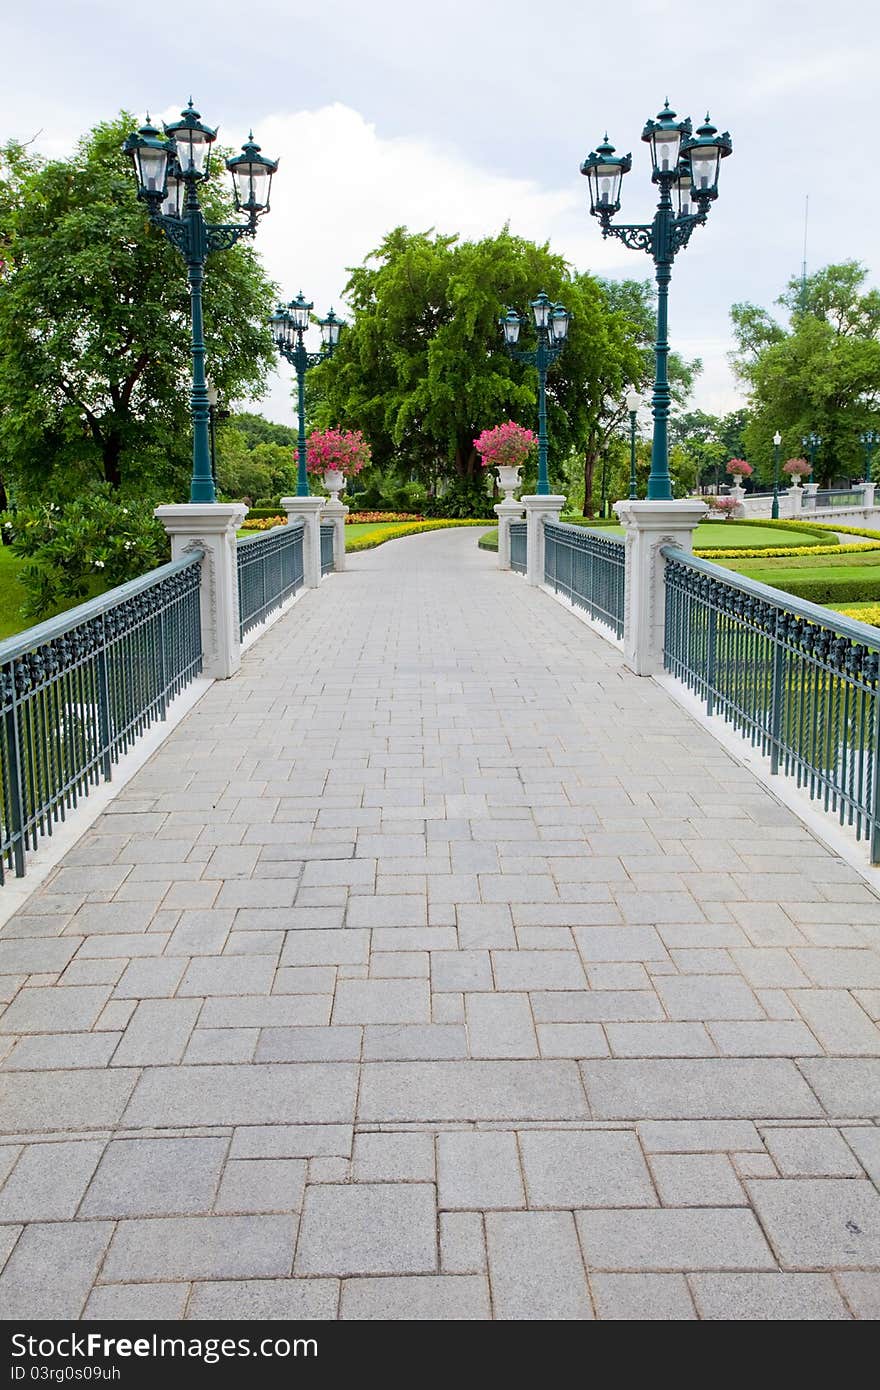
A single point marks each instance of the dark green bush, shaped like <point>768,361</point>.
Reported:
<point>263,513</point>
<point>466,498</point>
<point>830,590</point>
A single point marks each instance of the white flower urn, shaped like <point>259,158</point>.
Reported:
<point>508,479</point>
<point>794,480</point>
<point>334,482</point>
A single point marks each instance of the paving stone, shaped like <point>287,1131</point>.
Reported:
<point>268,1184</point>
<point>400,964</point>
<point>301,1093</point>
<point>697,1180</point>
<point>382,1001</point>
<point>567,1168</point>
<point>229,975</point>
<point>158,1032</point>
<point>848,1087</point>
<point>642,1297</point>
<point>48,1181</point>
<point>839,1023</point>
<point>500,1026</point>
<point>572,1040</point>
<point>862,1293</point>
<point>145,979</point>
<point>766,1297</point>
<point>669,1239</point>
<point>264,1300</point>
<point>478,1171</point>
<point>707,997</point>
<point>423,1298</point>
<point>596,1006</point>
<point>462,1243</point>
<point>267,1011</point>
<point>619,944</point>
<point>51,1269</point>
<point>368,1228</point>
<point>221,1045</point>
<point>840,969</point>
<point>811,1152</point>
<point>388,910</point>
<point>659,1040</point>
<point>38,956</point>
<point>774,969</point>
<point>200,1247</point>
<point>336,1044</point>
<point>156,1177</point>
<point>291,1141</point>
<point>722,1088</point>
<point>773,1038</point>
<point>384,1157</point>
<point>51,1051</point>
<point>461,970</point>
<point>136,1303</point>
<point>543,970</point>
<point>535,1267</point>
<point>820,1223</point>
<point>474,1090</point>
<point>618,975</point>
<point>327,948</point>
<point>699,1136</point>
<point>414,1042</point>
<point>38,1102</point>
<point>50,1010</point>
<point>865,1144</point>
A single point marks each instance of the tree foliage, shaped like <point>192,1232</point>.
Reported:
<point>94,324</point>
<point>819,374</point>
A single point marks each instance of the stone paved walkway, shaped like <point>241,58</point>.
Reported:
<point>438,967</point>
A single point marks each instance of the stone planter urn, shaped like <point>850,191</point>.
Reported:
<point>508,479</point>
<point>794,479</point>
<point>334,482</point>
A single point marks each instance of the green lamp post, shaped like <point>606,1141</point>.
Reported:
<point>169,171</point>
<point>686,167</point>
<point>869,441</point>
<point>633,401</point>
<point>289,324</point>
<point>812,442</point>
<point>774,510</point>
<point>551,329</point>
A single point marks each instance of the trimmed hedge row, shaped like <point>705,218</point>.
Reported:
<point>786,552</point>
<point>828,591</point>
<point>396,533</point>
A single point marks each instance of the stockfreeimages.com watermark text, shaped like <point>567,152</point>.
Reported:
<point>95,1347</point>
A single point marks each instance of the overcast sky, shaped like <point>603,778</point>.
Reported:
<point>465,115</point>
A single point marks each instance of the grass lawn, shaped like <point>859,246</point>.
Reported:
<point>12,595</point>
<point>717,535</point>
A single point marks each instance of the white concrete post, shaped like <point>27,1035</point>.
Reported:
<point>809,490</point>
<point>867,491</point>
<point>649,526</point>
<point>211,526</point>
<point>336,512</point>
<point>506,512</point>
<point>309,508</point>
<point>539,509</point>
<point>795,496</point>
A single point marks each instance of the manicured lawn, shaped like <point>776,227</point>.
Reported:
<point>12,595</point>
<point>809,567</point>
<point>717,535</point>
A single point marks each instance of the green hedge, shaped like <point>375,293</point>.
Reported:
<point>263,513</point>
<point>489,541</point>
<point>828,591</point>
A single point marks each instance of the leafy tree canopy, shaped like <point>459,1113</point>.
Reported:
<point>94,324</point>
<point>820,374</point>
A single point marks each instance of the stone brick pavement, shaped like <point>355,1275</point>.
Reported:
<point>437,967</point>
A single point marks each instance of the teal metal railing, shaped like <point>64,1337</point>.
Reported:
<point>589,569</point>
<point>327,530</point>
<point>800,682</point>
<point>518,546</point>
<point>838,497</point>
<point>270,569</point>
<point>76,692</point>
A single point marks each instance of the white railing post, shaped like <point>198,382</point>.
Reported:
<point>648,527</point>
<point>212,527</point>
<point>795,498</point>
<point>809,490</point>
<point>538,509</point>
<point>867,491</point>
<point>309,508</point>
<point>506,512</point>
<point>335,513</point>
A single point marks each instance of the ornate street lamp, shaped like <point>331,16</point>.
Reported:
<point>685,166</point>
<point>633,401</point>
<point>869,441</point>
<point>168,172</point>
<point>289,323</point>
<point>774,510</point>
<point>551,330</point>
<point>812,442</point>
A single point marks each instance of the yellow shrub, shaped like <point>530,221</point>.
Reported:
<point>784,552</point>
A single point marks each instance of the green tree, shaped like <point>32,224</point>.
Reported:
<point>94,323</point>
<point>820,373</point>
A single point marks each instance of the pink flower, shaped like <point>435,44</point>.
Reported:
<point>796,468</point>
<point>739,468</point>
<point>505,446</point>
<point>340,451</point>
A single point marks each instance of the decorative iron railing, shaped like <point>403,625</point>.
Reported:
<point>837,497</point>
<point>588,569</point>
<point>270,569</point>
<point>76,692</point>
<point>518,546</point>
<point>800,682</point>
<point>327,530</point>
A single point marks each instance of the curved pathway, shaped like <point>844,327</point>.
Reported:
<point>436,966</point>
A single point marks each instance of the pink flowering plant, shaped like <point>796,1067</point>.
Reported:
<point>340,451</point>
<point>796,468</point>
<point>726,506</point>
<point>505,446</point>
<point>740,469</point>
